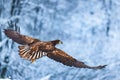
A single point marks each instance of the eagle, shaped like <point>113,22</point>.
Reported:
<point>32,49</point>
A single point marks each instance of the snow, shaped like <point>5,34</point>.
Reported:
<point>5,79</point>
<point>89,30</point>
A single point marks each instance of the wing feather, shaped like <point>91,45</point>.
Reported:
<point>17,37</point>
<point>60,56</point>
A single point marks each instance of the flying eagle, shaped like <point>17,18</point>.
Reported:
<point>32,49</point>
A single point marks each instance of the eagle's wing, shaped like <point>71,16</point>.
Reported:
<point>60,56</point>
<point>17,37</point>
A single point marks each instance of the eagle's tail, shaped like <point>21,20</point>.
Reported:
<point>29,54</point>
<point>82,65</point>
<point>24,51</point>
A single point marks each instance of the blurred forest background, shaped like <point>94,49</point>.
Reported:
<point>89,29</point>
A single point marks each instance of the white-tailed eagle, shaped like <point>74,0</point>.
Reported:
<point>32,49</point>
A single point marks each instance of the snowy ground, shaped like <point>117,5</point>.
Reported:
<point>89,29</point>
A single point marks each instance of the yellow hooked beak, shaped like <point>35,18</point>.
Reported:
<point>60,42</point>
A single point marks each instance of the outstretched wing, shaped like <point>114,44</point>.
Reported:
<point>17,37</point>
<point>60,56</point>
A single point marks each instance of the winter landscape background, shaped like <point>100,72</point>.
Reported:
<point>89,29</point>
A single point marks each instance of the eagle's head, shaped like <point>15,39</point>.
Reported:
<point>57,42</point>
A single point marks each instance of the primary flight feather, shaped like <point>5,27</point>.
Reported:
<point>32,49</point>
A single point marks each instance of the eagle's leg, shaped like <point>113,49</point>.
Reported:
<point>32,60</point>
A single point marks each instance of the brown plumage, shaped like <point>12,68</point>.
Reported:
<point>32,49</point>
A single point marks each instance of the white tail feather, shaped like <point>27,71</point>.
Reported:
<point>26,53</point>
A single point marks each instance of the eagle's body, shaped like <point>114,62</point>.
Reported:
<point>32,49</point>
